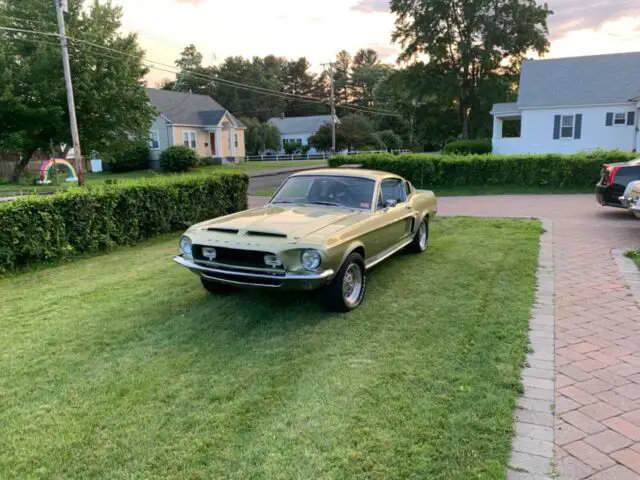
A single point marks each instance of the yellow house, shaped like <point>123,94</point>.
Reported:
<point>198,122</point>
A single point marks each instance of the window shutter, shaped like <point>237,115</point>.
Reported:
<point>577,132</point>
<point>631,118</point>
<point>609,119</point>
<point>556,127</point>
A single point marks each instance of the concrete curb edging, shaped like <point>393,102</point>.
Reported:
<point>532,456</point>
<point>629,271</point>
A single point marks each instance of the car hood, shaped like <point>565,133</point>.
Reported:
<point>292,223</point>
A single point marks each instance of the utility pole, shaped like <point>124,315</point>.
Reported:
<point>61,7</point>
<point>333,107</point>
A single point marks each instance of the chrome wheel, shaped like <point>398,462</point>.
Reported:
<point>422,236</point>
<point>352,285</point>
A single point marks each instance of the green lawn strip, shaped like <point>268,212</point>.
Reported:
<point>120,366</point>
<point>634,255</point>
<point>28,187</point>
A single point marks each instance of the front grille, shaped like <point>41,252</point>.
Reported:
<point>267,282</point>
<point>234,257</point>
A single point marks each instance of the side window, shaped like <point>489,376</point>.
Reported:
<point>407,187</point>
<point>393,189</point>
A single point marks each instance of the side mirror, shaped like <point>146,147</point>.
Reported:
<point>390,203</point>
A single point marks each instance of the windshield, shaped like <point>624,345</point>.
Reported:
<point>333,191</point>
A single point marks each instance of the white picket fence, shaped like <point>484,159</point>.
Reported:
<point>313,156</point>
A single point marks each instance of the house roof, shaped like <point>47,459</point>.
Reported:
<point>505,108</point>
<point>589,80</point>
<point>301,125</point>
<point>184,108</point>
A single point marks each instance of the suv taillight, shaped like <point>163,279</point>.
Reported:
<point>608,174</point>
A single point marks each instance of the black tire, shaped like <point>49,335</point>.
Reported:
<point>336,299</point>
<point>417,245</point>
<point>215,287</point>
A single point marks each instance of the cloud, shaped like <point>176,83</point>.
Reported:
<point>570,15</point>
<point>385,52</point>
<point>371,6</point>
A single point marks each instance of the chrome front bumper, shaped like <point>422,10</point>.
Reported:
<point>252,279</point>
<point>635,209</point>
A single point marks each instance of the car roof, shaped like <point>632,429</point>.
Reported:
<point>347,172</point>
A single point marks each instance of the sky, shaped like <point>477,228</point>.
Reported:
<point>318,30</point>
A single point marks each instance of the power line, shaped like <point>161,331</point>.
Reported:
<point>175,70</point>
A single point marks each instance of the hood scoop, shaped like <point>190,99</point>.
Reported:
<point>252,233</point>
<point>232,231</point>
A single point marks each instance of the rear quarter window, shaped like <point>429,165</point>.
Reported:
<point>627,174</point>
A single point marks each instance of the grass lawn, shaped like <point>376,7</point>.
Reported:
<point>99,178</point>
<point>487,190</point>
<point>121,366</point>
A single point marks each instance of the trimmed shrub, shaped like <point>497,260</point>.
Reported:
<point>178,158</point>
<point>468,147</point>
<point>51,228</point>
<point>127,157</point>
<point>552,170</point>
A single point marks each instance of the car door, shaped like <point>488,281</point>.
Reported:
<point>397,219</point>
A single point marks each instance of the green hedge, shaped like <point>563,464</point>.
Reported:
<point>45,228</point>
<point>467,147</point>
<point>127,157</point>
<point>428,171</point>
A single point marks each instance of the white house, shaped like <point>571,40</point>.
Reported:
<point>569,105</point>
<point>298,129</point>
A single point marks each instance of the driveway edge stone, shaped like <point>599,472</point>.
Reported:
<point>533,444</point>
<point>629,271</point>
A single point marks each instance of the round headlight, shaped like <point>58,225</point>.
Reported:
<point>311,259</point>
<point>185,246</point>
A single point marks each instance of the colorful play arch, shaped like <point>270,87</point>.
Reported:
<point>51,165</point>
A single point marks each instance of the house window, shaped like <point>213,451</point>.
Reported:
<point>154,140</point>
<point>567,126</point>
<point>620,119</point>
<point>189,139</point>
<point>235,139</point>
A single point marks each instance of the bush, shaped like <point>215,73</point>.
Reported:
<point>178,158</point>
<point>290,148</point>
<point>467,147</point>
<point>552,170</point>
<point>390,139</point>
<point>82,220</point>
<point>373,143</point>
<point>127,157</point>
<point>207,161</point>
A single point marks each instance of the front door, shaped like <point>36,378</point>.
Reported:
<point>397,219</point>
<point>212,142</point>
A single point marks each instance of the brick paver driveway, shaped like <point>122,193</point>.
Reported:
<point>597,360</point>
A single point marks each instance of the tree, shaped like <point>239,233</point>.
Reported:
<point>193,77</point>
<point>342,77</point>
<point>297,80</point>
<point>470,42</point>
<point>353,132</point>
<point>111,101</point>
<point>265,73</point>
<point>366,74</point>
<point>260,136</point>
<point>391,140</point>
